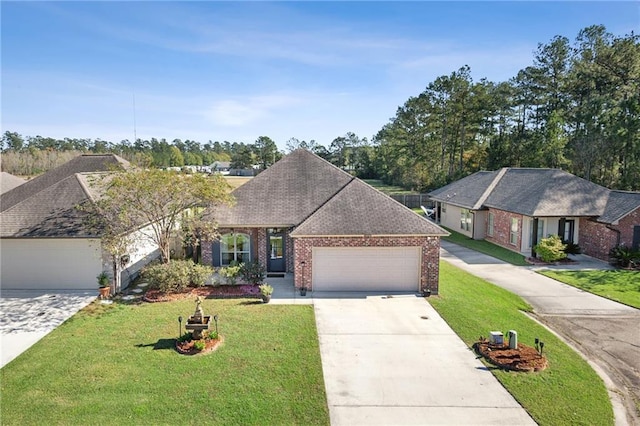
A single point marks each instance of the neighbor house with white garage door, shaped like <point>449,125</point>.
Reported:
<point>334,232</point>
<point>45,241</point>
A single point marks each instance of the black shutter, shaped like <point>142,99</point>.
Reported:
<point>215,253</point>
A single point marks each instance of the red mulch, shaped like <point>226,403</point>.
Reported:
<point>186,348</point>
<point>525,358</point>
<point>211,292</point>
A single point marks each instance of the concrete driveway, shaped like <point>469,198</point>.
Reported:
<point>29,315</point>
<point>605,332</point>
<point>394,361</point>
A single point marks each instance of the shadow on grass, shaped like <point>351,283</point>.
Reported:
<point>253,302</point>
<point>159,345</point>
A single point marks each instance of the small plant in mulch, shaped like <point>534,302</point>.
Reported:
<point>523,359</point>
<point>185,345</point>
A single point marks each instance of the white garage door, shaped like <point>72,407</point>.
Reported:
<point>366,268</point>
<point>48,263</point>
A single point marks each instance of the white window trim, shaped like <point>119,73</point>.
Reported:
<point>513,235</point>
<point>235,250</point>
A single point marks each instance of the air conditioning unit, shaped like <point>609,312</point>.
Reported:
<point>496,338</point>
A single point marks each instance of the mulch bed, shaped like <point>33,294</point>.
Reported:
<point>208,292</point>
<point>525,358</point>
<point>187,348</point>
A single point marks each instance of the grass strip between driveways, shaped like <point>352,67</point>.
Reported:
<point>619,285</point>
<point>117,365</point>
<point>486,247</point>
<point>567,392</point>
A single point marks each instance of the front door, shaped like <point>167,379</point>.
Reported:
<point>276,251</point>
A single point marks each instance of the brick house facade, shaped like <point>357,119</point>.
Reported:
<point>430,251</point>
<point>502,229</point>
<point>303,201</point>
<point>597,238</point>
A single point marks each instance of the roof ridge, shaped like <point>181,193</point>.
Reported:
<point>84,187</point>
<point>327,200</point>
<point>490,188</point>
<point>35,193</point>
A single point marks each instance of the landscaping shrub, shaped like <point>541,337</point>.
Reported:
<point>624,257</point>
<point>253,272</point>
<point>551,249</point>
<point>571,248</point>
<point>230,273</point>
<point>177,275</point>
<point>200,274</point>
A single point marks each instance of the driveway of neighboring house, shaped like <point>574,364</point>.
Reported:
<point>29,315</point>
<point>394,361</point>
<point>605,332</point>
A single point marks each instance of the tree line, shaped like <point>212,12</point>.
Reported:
<point>576,107</point>
<point>32,155</point>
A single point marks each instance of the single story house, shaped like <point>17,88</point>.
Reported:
<point>516,207</point>
<point>45,241</point>
<point>334,232</point>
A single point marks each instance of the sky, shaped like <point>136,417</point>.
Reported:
<point>234,71</point>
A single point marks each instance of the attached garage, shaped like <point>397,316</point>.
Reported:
<point>366,269</point>
<point>50,263</point>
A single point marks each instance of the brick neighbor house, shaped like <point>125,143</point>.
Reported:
<point>334,232</point>
<point>516,207</point>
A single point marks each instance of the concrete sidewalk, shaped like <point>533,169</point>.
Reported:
<point>605,332</point>
<point>394,361</point>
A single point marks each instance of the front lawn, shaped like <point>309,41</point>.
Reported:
<point>567,392</point>
<point>486,247</point>
<point>619,285</point>
<point>117,365</point>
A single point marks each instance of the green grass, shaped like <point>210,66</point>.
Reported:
<point>388,189</point>
<point>486,247</point>
<point>118,366</point>
<point>619,285</point>
<point>567,392</point>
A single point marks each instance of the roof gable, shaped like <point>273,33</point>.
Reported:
<point>79,164</point>
<point>528,191</point>
<point>46,205</point>
<point>360,209</point>
<point>466,192</point>
<point>285,194</point>
<point>620,204</point>
<point>547,192</point>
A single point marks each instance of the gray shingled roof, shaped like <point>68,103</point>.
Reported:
<point>620,204</point>
<point>465,192</point>
<point>359,209</point>
<point>528,191</point>
<point>9,181</point>
<point>303,189</point>
<point>46,205</point>
<point>547,192</point>
<point>285,194</point>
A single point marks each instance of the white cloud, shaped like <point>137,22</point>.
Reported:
<point>242,112</point>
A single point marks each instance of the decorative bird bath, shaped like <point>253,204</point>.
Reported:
<point>198,322</point>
